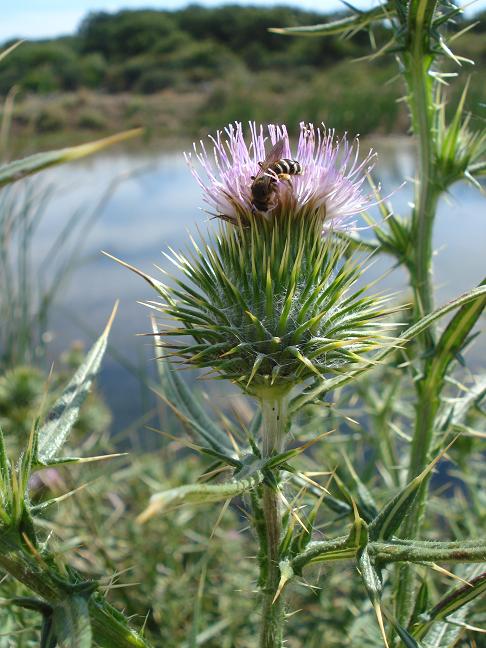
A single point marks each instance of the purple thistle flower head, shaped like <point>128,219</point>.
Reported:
<point>328,179</point>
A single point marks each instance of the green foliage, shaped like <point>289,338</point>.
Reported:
<point>216,65</point>
<point>73,615</point>
<point>214,69</point>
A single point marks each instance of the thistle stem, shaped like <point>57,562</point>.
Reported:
<point>418,62</point>
<point>274,415</point>
<point>109,631</point>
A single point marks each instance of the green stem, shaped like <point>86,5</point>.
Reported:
<point>273,614</point>
<point>320,551</point>
<point>274,417</point>
<point>421,101</point>
<point>109,627</point>
<point>418,551</point>
<point>387,552</point>
<point>418,63</point>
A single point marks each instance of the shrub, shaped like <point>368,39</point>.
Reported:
<point>50,119</point>
<point>92,120</point>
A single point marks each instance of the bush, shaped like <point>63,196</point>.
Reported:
<point>154,81</point>
<point>92,120</point>
<point>93,70</point>
<point>50,120</point>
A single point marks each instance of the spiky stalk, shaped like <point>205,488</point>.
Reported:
<point>274,421</point>
<point>418,60</point>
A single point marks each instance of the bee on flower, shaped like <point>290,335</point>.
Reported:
<point>322,175</point>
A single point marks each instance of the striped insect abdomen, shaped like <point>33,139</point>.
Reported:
<point>286,167</point>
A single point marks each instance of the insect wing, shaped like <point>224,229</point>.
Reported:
<point>275,154</point>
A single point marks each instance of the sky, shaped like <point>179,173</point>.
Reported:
<point>46,18</point>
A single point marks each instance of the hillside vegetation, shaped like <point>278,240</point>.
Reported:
<point>180,72</point>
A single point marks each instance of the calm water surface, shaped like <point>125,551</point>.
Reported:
<point>154,202</point>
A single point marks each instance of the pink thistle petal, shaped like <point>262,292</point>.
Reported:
<point>331,181</point>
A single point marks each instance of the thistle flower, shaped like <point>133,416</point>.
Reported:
<point>269,302</point>
<point>330,183</point>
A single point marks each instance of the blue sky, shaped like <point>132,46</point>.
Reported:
<point>43,18</point>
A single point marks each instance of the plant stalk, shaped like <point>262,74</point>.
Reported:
<point>418,63</point>
<point>109,630</point>
<point>274,419</point>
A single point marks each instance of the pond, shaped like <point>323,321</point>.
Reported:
<point>150,201</point>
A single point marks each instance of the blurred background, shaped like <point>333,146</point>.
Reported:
<point>91,68</point>
<point>88,69</point>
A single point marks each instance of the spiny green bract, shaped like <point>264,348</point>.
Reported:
<point>271,304</point>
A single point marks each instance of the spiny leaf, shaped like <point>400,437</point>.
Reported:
<point>286,574</point>
<point>393,513</point>
<point>461,408</point>
<point>53,434</point>
<point>13,171</point>
<point>187,402</point>
<point>421,602</point>
<point>56,500</point>
<point>71,623</point>
<point>283,457</point>
<point>351,23</point>
<point>61,461</point>
<point>407,639</point>
<point>155,283</point>
<point>372,580</point>
<point>366,503</point>
<point>197,494</point>
<point>452,339</point>
<point>451,603</point>
<point>48,636</point>
<point>370,575</point>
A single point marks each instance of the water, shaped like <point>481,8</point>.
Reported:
<point>154,203</point>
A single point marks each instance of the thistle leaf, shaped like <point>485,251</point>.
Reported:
<point>48,636</point>
<point>393,513</point>
<point>71,623</point>
<point>357,21</point>
<point>364,499</point>
<point>465,404</point>
<point>183,400</point>
<point>53,434</point>
<point>4,466</point>
<point>370,575</point>
<point>453,338</point>
<point>372,580</point>
<point>18,169</point>
<point>286,574</point>
<point>407,639</point>
<point>197,494</point>
<point>453,602</point>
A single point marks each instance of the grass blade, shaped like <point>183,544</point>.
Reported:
<point>18,169</point>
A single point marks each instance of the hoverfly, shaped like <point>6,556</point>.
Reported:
<point>264,188</point>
